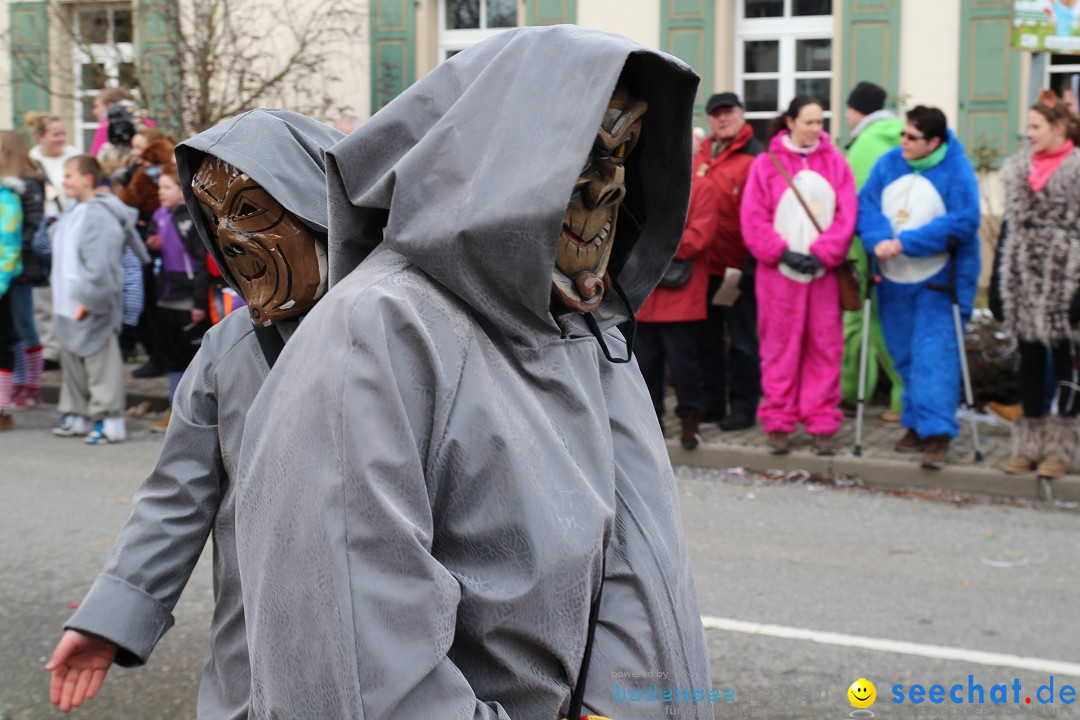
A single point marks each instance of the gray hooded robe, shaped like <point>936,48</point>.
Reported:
<point>190,493</point>
<point>436,467</point>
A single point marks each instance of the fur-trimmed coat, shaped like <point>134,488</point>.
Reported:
<point>1040,265</point>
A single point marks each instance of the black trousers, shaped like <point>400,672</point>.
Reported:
<point>674,345</point>
<point>1033,378</point>
<point>7,333</point>
<point>728,346</point>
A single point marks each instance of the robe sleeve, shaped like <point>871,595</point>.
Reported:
<point>131,602</point>
<point>351,613</point>
<point>960,221</point>
<point>756,215</point>
<point>831,247</point>
<point>873,227</point>
<point>702,219</point>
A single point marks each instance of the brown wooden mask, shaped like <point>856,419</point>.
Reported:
<point>276,261</point>
<point>588,230</point>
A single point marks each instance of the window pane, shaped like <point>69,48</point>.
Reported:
<point>815,87</point>
<point>762,56</point>
<point>94,26</point>
<point>462,14</point>
<point>813,55</point>
<point>501,13</point>
<point>1064,60</point>
<point>88,138</point>
<point>761,128</point>
<point>127,77</point>
<point>91,76</point>
<point>761,95</point>
<point>811,7</point>
<point>88,110</point>
<point>122,25</point>
<point>764,8</point>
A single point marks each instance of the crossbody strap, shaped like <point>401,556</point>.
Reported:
<point>791,184</point>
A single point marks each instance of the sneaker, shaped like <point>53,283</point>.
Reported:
<point>910,443</point>
<point>109,430</point>
<point>736,422</point>
<point>824,444</point>
<point>779,443</point>
<point>29,398</point>
<point>71,425</point>
<point>7,422</point>
<point>935,452</point>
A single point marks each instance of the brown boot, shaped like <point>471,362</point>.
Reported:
<point>935,452</point>
<point>910,443</point>
<point>7,422</point>
<point>1052,468</point>
<point>690,438</point>
<point>779,443</point>
<point>162,425</point>
<point>1018,465</point>
<point>1059,448</point>
<point>824,444</point>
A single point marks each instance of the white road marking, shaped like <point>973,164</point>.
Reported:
<point>939,652</point>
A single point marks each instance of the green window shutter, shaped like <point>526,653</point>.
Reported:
<point>157,49</point>
<point>989,78</point>
<point>550,12</point>
<point>871,48</point>
<point>393,32</point>
<point>686,31</point>
<point>29,59</point>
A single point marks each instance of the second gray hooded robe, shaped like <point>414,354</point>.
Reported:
<point>437,465</point>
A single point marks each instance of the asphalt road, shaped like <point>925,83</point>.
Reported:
<point>963,576</point>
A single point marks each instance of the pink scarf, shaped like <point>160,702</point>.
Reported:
<point>1043,165</point>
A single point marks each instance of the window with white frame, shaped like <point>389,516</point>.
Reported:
<point>104,57</point>
<point>783,48</point>
<point>1063,77</point>
<point>463,23</point>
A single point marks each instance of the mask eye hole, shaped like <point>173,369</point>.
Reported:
<point>247,209</point>
<point>620,152</point>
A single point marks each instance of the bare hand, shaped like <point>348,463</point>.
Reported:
<point>78,668</point>
<point>153,242</point>
<point>888,249</point>
<point>197,316</point>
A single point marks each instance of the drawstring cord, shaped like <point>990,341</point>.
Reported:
<point>594,328</point>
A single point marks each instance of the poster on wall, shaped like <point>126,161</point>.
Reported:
<point>1047,26</point>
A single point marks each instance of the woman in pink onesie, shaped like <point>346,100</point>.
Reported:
<point>799,320</point>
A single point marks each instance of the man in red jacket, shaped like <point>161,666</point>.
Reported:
<point>728,343</point>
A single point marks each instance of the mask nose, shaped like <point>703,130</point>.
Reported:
<point>608,189</point>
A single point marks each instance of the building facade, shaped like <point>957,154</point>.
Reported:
<point>954,54</point>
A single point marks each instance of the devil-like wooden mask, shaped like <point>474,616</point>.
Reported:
<point>277,262</point>
<point>588,230</point>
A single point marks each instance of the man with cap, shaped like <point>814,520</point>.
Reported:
<point>874,131</point>
<point>729,372</point>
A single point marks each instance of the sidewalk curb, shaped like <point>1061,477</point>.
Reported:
<point>878,471</point>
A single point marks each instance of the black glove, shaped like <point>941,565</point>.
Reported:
<point>800,262</point>
<point>1074,310</point>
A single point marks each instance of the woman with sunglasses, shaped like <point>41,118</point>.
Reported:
<point>919,216</point>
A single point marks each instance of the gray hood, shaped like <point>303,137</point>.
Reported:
<point>279,149</point>
<point>469,171</point>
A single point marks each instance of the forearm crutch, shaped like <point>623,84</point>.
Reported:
<point>864,350</point>
<point>969,397</point>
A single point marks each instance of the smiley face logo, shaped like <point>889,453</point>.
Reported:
<point>862,693</point>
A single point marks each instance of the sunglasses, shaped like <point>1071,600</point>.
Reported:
<point>905,135</point>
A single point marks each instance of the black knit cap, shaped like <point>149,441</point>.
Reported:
<point>866,97</point>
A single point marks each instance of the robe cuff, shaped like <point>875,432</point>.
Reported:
<point>124,615</point>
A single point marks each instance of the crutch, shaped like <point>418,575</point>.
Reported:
<point>872,279</point>
<point>969,398</point>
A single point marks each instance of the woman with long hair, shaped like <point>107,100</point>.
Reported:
<point>798,217</point>
<point>1040,284</point>
<point>19,172</point>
